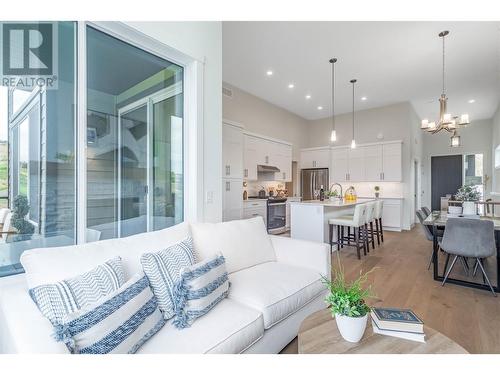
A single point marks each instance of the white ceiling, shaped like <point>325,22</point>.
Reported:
<point>393,62</point>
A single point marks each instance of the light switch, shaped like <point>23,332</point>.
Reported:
<point>210,197</point>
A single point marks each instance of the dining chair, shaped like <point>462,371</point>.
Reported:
<point>428,230</point>
<point>426,210</point>
<point>469,238</point>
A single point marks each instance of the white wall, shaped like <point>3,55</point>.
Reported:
<point>262,117</point>
<point>203,41</point>
<point>476,138</point>
<point>495,173</point>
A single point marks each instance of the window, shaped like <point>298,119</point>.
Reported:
<point>473,171</point>
<point>135,177</point>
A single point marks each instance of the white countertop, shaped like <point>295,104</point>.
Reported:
<point>339,203</point>
<point>399,198</point>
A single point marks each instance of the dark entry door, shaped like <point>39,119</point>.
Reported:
<point>446,177</point>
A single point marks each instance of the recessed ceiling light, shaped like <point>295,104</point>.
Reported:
<point>291,86</point>
<point>269,72</point>
<point>308,96</point>
<point>320,108</point>
<point>363,98</point>
<point>472,101</point>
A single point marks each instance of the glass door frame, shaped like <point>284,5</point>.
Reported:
<point>192,125</point>
<point>148,101</point>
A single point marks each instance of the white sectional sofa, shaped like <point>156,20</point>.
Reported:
<point>268,299</point>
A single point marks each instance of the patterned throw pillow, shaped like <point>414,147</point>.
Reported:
<point>65,297</point>
<point>163,271</point>
<point>119,323</point>
<point>201,287</point>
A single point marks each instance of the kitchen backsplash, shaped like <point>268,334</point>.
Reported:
<point>366,189</point>
<point>253,187</point>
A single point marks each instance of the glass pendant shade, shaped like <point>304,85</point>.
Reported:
<point>455,140</point>
<point>432,126</point>
<point>464,119</point>
<point>333,136</point>
<point>353,144</point>
<point>446,118</point>
<point>424,124</point>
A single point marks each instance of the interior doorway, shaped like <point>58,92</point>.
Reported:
<point>446,177</point>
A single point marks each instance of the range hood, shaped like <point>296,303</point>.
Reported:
<point>267,169</point>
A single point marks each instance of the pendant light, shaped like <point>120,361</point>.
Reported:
<point>353,142</point>
<point>333,135</point>
<point>455,140</point>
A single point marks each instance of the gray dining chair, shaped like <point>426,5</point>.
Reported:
<point>469,238</point>
<point>425,210</point>
<point>428,231</point>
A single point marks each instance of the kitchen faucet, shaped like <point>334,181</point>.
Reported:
<point>340,186</point>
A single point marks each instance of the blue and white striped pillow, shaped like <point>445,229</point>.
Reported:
<point>119,323</point>
<point>64,297</point>
<point>163,271</point>
<point>201,287</point>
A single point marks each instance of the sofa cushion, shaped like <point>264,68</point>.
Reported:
<point>57,300</point>
<point>229,328</point>
<point>275,289</point>
<point>48,265</point>
<point>163,269</point>
<point>200,288</point>
<point>244,243</point>
<point>119,323</point>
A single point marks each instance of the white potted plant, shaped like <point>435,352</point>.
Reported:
<point>469,195</point>
<point>347,301</point>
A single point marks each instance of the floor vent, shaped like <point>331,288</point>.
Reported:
<point>227,92</point>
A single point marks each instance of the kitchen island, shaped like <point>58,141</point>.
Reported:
<point>309,219</point>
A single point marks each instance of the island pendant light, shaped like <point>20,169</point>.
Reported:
<point>333,135</point>
<point>353,142</point>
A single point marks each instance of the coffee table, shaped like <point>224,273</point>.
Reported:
<point>319,334</point>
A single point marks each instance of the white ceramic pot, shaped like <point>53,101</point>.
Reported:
<point>351,329</point>
<point>469,208</point>
<point>333,199</point>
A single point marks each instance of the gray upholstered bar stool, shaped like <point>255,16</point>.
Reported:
<point>369,217</point>
<point>426,210</point>
<point>355,221</point>
<point>469,238</point>
<point>377,215</point>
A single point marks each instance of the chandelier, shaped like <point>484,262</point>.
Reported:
<point>446,121</point>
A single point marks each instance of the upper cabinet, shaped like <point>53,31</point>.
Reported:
<point>315,158</point>
<point>232,151</point>
<point>261,151</point>
<point>371,163</point>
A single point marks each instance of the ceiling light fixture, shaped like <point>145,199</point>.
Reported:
<point>363,98</point>
<point>308,97</point>
<point>269,72</point>
<point>446,121</point>
<point>291,86</point>
<point>472,101</point>
<point>320,108</point>
<point>353,142</point>
<point>333,135</point>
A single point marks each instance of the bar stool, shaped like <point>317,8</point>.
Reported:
<point>355,221</point>
<point>369,217</point>
<point>377,215</point>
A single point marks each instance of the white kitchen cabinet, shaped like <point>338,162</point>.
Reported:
<point>315,158</point>
<point>340,165</point>
<point>253,208</point>
<point>288,210</point>
<point>232,199</point>
<point>392,162</point>
<point>282,154</point>
<point>356,165</point>
<point>392,214</point>
<point>232,151</point>
<point>373,163</point>
<point>250,157</point>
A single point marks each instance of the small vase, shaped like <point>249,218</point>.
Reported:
<point>377,195</point>
<point>351,328</point>
<point>468,208</point>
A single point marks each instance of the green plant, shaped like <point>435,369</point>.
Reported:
<point>332,193</point>
<point>348,298</point>
<point>468,193</point>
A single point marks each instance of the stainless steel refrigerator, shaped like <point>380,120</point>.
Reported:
<point>311,181</point>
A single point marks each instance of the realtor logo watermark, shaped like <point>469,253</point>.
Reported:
<point>28,55</point>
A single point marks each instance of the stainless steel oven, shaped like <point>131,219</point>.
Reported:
<point>276,215</point>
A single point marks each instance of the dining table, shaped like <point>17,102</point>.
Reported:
<point>438,219</point>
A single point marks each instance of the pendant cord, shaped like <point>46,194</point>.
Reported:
<point>443,65</point>
<point>353,81</point>
<point>333,96</point>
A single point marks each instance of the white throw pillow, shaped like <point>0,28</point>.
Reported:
<point>200,288</point>
<point>244,243</point>
<point>119,323</point>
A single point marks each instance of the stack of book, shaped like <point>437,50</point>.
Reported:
<point>402,323</point>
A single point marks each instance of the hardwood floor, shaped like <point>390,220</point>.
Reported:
<point>468,316</point>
